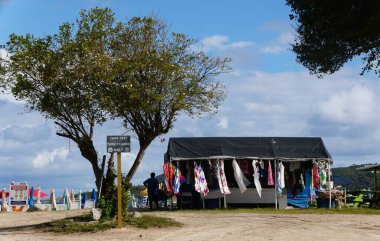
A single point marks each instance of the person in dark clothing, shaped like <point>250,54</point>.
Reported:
<point>152,185</point>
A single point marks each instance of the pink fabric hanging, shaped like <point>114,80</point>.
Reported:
<point>270,175</point>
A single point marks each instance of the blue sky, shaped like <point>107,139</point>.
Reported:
<point>269,94</point>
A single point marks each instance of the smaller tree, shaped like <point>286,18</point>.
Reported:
<point>108,199</point>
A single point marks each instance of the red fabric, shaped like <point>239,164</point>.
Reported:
<point>6,194</point>
<point>169,176</point>
<point>42,194</point>
<point>316,178</point>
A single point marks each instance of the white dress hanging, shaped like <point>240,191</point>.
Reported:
<point>256,178</point>
<point>241,180</point>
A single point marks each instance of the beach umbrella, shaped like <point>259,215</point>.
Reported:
<point>66,198</point>
<point>80,198</point>
<point>63,197</point>
<point>38,194</point>
<point>84,199</point>
<point>72,195</point>
<point>52,200</point>
<point>4,203</point>
<point>93,196</point>
<point>31,192</point>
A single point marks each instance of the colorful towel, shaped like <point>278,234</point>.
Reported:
<point>200,180</point>
<point>169,176</point>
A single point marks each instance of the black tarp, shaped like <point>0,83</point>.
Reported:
<point>186,148</point>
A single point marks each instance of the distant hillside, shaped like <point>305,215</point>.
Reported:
<point>352,179</point>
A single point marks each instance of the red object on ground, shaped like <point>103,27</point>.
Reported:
<point>42,194</point>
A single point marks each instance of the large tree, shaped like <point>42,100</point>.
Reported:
<point>331,33</point>
<point>158,77</point>
<point>58,74</point>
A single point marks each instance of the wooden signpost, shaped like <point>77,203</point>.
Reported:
<point>119,144</point>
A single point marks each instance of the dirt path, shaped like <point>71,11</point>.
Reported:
<point>210,226</point>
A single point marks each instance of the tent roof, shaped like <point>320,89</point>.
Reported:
<point>189,148</point>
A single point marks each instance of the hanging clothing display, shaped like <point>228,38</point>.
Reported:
<point>217,174</point>
<point>261,169</point>
<point>256,178</point>
<point>282,171</point>
<point>178,180</point>
<point>169,176</point>
<point>294,166</point>
<point>280,176</point>
<point>223,181</point>
<point>245,167</point>
<point>188,173</point>
<point>241,180</point>
<point>209,175</point>
<point>315,176</point>
<point>301,182</point>
<point>270,175</point>
<point>200,180</point>
<point>323,178</point>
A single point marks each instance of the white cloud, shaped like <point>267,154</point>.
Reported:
<point>47,157</point>
<point>221,43</point>
<point>274,49</point>
<point>223,123</point>
<point>10,98</point>
<point>285,38</point>
<point>281,43</point>
<point>356,105</point>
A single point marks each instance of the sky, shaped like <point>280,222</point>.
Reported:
<point>268,93</point>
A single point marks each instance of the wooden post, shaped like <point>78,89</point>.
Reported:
<point>311,183</point>
<point>345,197</point>
<point>119,204</point>
<point>328,161</point>
<point>375,182</point>
<point>275,183</point>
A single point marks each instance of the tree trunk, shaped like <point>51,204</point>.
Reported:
<point>88,151</point>
<point>139,157</point>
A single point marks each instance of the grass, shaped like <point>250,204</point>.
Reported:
<point>80,224</point>
<point>147,221</point>
<point>83,224</point>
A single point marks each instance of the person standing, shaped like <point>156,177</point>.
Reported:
<point>152,185</point>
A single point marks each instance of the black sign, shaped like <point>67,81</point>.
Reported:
<point>118,144</point>
<point>18,203</point>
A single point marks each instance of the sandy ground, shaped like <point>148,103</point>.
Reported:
<point>208,226</point>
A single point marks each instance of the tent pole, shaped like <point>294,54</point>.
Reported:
<point>375,182</point>
<point>328,161</point>
<point>311,183</point>
<point>345,197</point>
<point>275,183</point>
<point>171,196</point>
